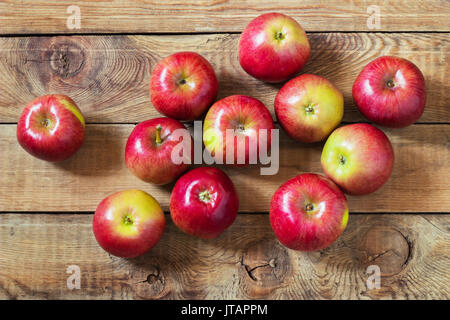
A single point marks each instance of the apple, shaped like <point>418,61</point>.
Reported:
<point>390,91</point>
<point>308,212</point>
<point>246,116</point>
<point>148,153</point>
<point>51,128</point>
<point>309,107</point>
<point>358,158</point>
<point>273,47</point>
<point>183,85</point>
<point>204,202</point>
<point>128,223</point>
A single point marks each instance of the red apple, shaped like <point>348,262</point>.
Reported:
<point>128,223</point>
<point>273,47</point>
<point>390,91</point>
<point>358,157</point>
<point>309,107</point>
<point>246,116</point>
<point>150,148</point>
<point>51,128</point>
<point>204,202</point>
<point>308,212</point>
<point>183,86</point>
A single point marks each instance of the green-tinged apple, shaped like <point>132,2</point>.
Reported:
<point>247,117</point>
<point>128,223</point>
<point>51,128</point>
<point>273,47</point>
<point>183,86</point>
<point>151,148</point>
<point>308,212</point>
<point>309,107</point>
<point>390,91</point>
<point>204,202</point>
<point>358,157</point>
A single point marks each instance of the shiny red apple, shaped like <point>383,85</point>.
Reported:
<point>204,202</point>
<point>247,117</point>
<point>273,47</point>
<point>159,150</point>
<point>308,212</point>
<point>183,86</point>
<point>309,107</point>
<point>358,157</point>
<point>390,91</point>
<point>51,128</point>
<point>128,223</point>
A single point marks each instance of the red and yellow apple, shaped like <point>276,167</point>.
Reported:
<point>150,147</point>
<point>51,128</point>
<point>246,116</point>
<point>308,212</point>
<point>358,157</point>
<point>204,202</point>
<point>309,107</point>
<point>390,91</point>
<point>273,47</point>
<point>183,86</point>
<point>128,223</point>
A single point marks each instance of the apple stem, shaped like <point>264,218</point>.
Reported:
<point>240,127</point>
<point>127,220</point>
<point>204,196</point>
<point>309,108</point>
<point>279,35</point>
<point>46,122</point>
<point>158,134</point>
<point>342,159</point>
<point>309,207</point>
<point>390,83</point>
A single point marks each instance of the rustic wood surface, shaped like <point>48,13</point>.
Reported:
<point>419,181</point>
<point>109,76</point>
<point>246,262</point>
<point>46,209</point>
<point>173,16</point>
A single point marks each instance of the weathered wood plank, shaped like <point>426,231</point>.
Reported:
<point>46,16</point>
<point>419,182</point>
<point>108,76</point>
<point>246,262</point>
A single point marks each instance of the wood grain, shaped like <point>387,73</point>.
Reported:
<point>419,182</point>
<point>172,16</point>
<point>245,262</point>
<point>108,76</point>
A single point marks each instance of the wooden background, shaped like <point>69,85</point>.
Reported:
<point>46,209</point>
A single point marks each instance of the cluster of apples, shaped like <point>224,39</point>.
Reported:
<point>308,212</point>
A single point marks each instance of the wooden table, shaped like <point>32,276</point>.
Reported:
<point>46,209</point>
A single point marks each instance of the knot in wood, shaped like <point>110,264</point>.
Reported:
<point>387,248</point>
<point>264,266</point>
<point>154,277</point>
<point>152,283</point>
<point>67,59</point>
